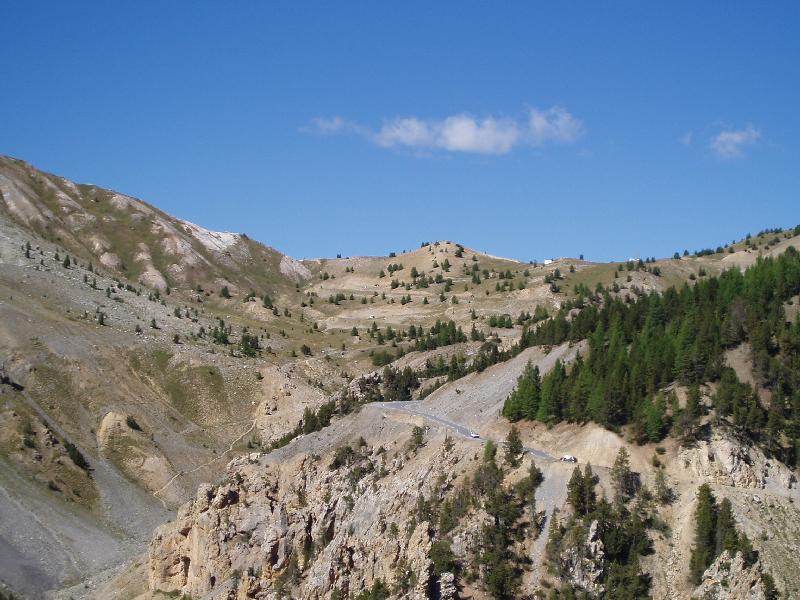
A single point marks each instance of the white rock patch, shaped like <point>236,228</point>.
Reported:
<point>294,268</point>
<point>217,241</point>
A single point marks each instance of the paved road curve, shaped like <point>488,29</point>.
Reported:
<point>416,408</point>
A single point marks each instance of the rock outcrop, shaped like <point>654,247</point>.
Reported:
<point>134,453</point>
<point>294,269</point>
<point>447,587</point>
<point>726,460</point>
<point>314,525</point>
<point>730,579</point>
<point>584,563</point>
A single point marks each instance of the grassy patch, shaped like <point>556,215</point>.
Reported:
<point>23,436</point>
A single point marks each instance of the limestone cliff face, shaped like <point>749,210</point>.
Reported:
<point>310,524</point>
<point>730,579</point>
<point>331,514</point>
<point>726,460</point>
<point>584,563</point>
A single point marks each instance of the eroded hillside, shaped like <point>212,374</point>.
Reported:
<point>152,366</point>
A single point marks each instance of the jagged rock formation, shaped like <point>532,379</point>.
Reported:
<point>447,587</point>
<point>341,522</point>
<point>727,460</point>
<point>583,563</point>
<point>361,388</point>
<point>294,269</point>
<point>730,579</point>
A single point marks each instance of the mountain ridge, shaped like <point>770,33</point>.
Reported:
<point>133,238</point>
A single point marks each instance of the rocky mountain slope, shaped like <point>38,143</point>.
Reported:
<point>160,376</point>
<point>348,525</point>
<point>130,238</point>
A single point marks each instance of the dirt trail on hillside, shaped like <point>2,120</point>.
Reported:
<point>217,458</point>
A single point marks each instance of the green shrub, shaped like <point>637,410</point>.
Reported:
<point>77,458</point>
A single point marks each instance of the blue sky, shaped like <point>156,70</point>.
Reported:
<point>522,129</point>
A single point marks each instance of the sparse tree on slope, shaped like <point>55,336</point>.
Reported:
<point>514,447</point>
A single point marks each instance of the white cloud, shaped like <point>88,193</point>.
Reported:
<point>554,125</point>
<point>731,143</point>
<point>460,133</point>
<point>686,138</point>
<point>464,132</point>
<point>331,125</point>
<point>405,132</point>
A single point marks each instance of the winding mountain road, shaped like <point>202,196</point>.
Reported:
<point>474,403</point>
<point>418,409</point>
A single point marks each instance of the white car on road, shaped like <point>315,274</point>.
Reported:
<point>473,435</point>
<point>568,458</point>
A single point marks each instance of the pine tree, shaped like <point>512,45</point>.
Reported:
<point>523,402</point>
<point>662,491</point>
<point>704,537</point>
<point>526,488</point>
<point>442,557</point>
<point>590,480</point>
<point>654,420</point>
<point>726,536</point>
<point>621,475</point>
<point>417,437</point>
<point>770,590</point>
<point>555,534</point>
<point>548,410</point>
<point>514,448</point>
<point>576,490</point>
<point>689,417</point>
<point>501,565</point>
<point>448,444</point>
